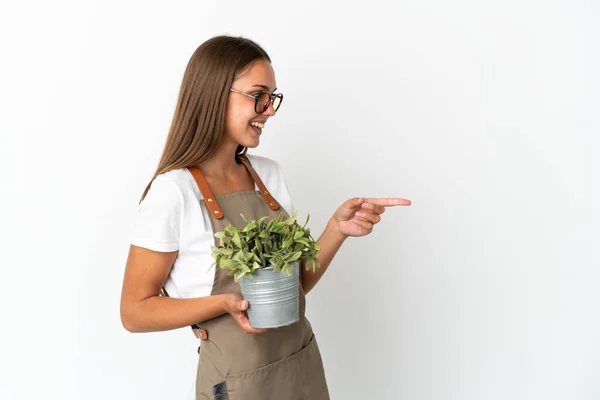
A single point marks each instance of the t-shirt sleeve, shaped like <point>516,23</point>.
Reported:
<point>158,218</point>
<point>285,196</point>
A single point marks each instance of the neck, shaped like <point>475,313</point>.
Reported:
<point>221,162</point>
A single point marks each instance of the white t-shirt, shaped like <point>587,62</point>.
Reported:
<point>170,218</point>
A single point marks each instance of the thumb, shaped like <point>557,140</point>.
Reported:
<point>242,305</point>
<point>354,203</point>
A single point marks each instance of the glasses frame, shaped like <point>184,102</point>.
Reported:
<point>272,98</point>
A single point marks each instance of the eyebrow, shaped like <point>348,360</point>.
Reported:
<point>263,87</point>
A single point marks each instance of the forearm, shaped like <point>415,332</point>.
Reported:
<point>159,313</point>
<point>330,242</point>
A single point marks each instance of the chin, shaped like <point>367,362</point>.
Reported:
<point>251,143</point>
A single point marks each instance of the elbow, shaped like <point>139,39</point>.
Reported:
<point>128,325</point>
<point>128,321</point>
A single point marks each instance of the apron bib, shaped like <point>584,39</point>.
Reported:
<point>280,364</point>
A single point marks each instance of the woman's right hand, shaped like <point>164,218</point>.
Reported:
<point>237,306</point>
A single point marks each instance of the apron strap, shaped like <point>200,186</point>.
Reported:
<point>263,189</point>
<point>212,204</point>
<point>210,200</point>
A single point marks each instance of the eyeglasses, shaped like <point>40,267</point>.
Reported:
<point>262,100</point>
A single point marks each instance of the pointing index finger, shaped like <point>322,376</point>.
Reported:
<point>389,202</point>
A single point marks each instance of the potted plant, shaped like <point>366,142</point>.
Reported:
<point>264,257</point>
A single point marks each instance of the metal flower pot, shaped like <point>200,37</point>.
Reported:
<point>273,297</point>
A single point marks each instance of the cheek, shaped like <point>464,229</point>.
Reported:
<point>236,125</point>
<point>238,120</point>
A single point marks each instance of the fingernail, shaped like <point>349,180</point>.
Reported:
<point>359,214</point>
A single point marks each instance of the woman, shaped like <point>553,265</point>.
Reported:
<point>204,181</point>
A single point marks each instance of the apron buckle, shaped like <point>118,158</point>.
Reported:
<point>200,333</point>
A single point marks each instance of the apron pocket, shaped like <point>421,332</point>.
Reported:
<point>297,377</point>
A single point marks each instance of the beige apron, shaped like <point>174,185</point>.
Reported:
<point>280,364</point>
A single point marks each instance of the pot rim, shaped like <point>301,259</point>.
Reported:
<point>271,266</point>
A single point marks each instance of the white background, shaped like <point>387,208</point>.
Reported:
<point>484,113</point>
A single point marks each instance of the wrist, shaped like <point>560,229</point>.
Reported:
<point>334,230</point>
<point>229,300</point>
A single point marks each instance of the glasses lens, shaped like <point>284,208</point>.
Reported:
<point>262,103</point>
<point>277,102</point>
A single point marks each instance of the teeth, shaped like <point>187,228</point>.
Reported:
<point>257,124</point>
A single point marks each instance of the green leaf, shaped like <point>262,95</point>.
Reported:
<point>316,264</point>
<point>236,239</point>
<point>230,230</point>
<point>278,265</point>
<point>276,228</point>
<point>238,275</point>
<point>262,220</point>
<point>258,245</point>
<point>226,263</point>
<point>245,218</point>
<point>245,268</point>
<point>294,257</point>
<point>250,226</point>
<point>307,218</point>
<point>303,241</point>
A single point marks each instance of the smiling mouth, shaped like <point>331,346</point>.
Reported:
<point>256,130</point>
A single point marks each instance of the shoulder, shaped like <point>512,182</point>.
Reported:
<point>267,168</point>
<point>181,181</point>
<point>262,162</point>
<point>178,177</point>
<point>160,214</point>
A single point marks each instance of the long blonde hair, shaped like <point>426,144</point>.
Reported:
<point>199,118</point>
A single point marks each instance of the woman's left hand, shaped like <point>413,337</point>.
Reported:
<point>357,216</point>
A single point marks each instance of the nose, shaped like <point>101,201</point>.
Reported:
<point>270,111</point>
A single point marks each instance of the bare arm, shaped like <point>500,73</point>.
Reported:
<point>330,242</point>
<point>355,217</point>
<point>143,310</point>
